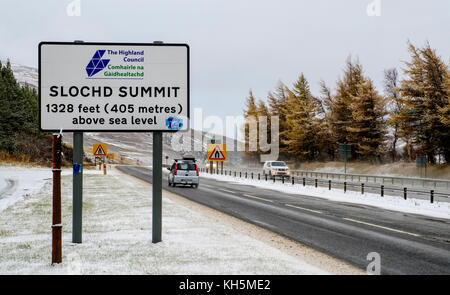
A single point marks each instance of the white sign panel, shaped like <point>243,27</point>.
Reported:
<point>113,87</point>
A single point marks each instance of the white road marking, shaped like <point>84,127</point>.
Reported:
<point>301,208</point>
<point>227,191</point>
<point>254,197</point>
<point>383,227</point>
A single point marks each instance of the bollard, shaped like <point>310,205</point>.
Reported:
<point>292,179</point>
<point>104,169</point>
<point>245,174</point>
<point>431,196</point>
<point>329,185</point>
<point>304,181</point>
<point>362,188</point>
<point>404,193</point>
<point>252,175</point>
<point>240,174</point>
<point>273,177</point>
<point>259,176</point>
<point>265,175</point>
<point>282,179</point>
<point>315,183</point>
<point>345,186</point>
<point>382,190</point>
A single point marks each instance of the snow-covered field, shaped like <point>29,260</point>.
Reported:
<point>411,205</point>
<point>19,182</point>
<point>117,235</point>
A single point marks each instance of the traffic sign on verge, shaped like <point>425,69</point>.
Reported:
<point>110,156</point>
<point>100,150</point>
<point>217,152</point>
<point>113,86</point>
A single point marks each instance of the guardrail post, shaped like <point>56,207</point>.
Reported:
<point>362,188</point>
<point>345,186</point>
<point>315,183</point>
<point>382,190</point>
<point>404,193</point>
<point>431,196</point>
<point>329,185</point>
<point>304,181</point>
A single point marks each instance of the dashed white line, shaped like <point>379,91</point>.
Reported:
<point>227,191</point>
<point>383,227</point>
<point>254,197</point>
<point>306,209</point>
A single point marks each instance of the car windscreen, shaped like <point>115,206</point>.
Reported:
<point>278,164</point>
<point>186,166</point>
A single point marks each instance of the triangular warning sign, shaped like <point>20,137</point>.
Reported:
<point>216,154</point>
<point>99,151</point>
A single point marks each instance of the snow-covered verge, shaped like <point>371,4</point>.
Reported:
<point>117,236</point>
<point>410,205</point>
<point>17,183</point>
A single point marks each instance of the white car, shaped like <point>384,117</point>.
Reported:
<point>275,169</point>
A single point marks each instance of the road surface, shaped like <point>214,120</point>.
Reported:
<point>407,243</point>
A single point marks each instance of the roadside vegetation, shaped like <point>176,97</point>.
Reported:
<point>410,118</point>
<point>21,141</point>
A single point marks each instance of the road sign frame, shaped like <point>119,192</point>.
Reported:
<point>223,149</point>
<point>116,44</point>
<point>104,147</point>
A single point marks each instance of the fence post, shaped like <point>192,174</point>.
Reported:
<point>304,181</point>
<point>431,196</point>
<point>292,179</point>
<point>404,193</point>
<point>345,186</point>
<point>259,176</point>
<point>265,175</point>
<point>329,185</point>
<point>315,182</point>
<point>273,179</point>
<point>282,179</point>
<point>252,175</point>
<point>382,190</point>
<point>245,174</point>
<point>362,188</point>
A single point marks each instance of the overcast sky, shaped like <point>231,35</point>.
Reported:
<point>238,45</point>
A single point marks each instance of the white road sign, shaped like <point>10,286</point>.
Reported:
<point>113,86</point>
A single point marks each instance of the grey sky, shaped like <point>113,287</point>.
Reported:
<point>238,45</point>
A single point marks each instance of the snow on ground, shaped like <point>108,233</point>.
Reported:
<point>19,182</point>
<point>411,205</point>
<point>117,236</point>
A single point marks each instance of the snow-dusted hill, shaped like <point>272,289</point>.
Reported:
<point>24,74</point>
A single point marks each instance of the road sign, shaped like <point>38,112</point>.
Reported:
<point>110,156</point>
<point>113,86</point>
<point>100,150</point>
<point>345,151</point>
<point>217,152</point>
<point>421,162</point>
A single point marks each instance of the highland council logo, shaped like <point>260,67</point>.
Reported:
<point>96,64</point>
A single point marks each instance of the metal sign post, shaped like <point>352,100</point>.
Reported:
<point>77,197</point>
<point>157,187</point>
<point>56,204</point>
<point>345,151</point>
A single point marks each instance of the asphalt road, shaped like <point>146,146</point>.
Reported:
<point>407,243</point>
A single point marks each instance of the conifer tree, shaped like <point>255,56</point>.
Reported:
<point>277,105</point>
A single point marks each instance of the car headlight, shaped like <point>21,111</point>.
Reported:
<point>288,173</point>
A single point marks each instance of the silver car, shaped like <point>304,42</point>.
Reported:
<point>183,172</point>
<point>275,169</point>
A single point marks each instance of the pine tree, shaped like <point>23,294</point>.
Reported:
<point>425,96</point>
<point>367,128</point>
<point>251,135</point>
<point>277,105</point>
<point>394,108</point>
<point>303,122</point>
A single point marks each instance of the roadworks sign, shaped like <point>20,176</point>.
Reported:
<point>217,152</point>
<point>110,156</point>
<point>100,150</point>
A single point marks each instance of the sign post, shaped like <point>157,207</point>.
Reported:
<point>345,151</point>
<point>56,204</point>
<point>114,87</point>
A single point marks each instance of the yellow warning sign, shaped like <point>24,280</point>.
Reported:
<point>100,150</point>
<point>217,152</point>
<point>110,156</point>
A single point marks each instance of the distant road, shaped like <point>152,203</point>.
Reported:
<point>407,243</point>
